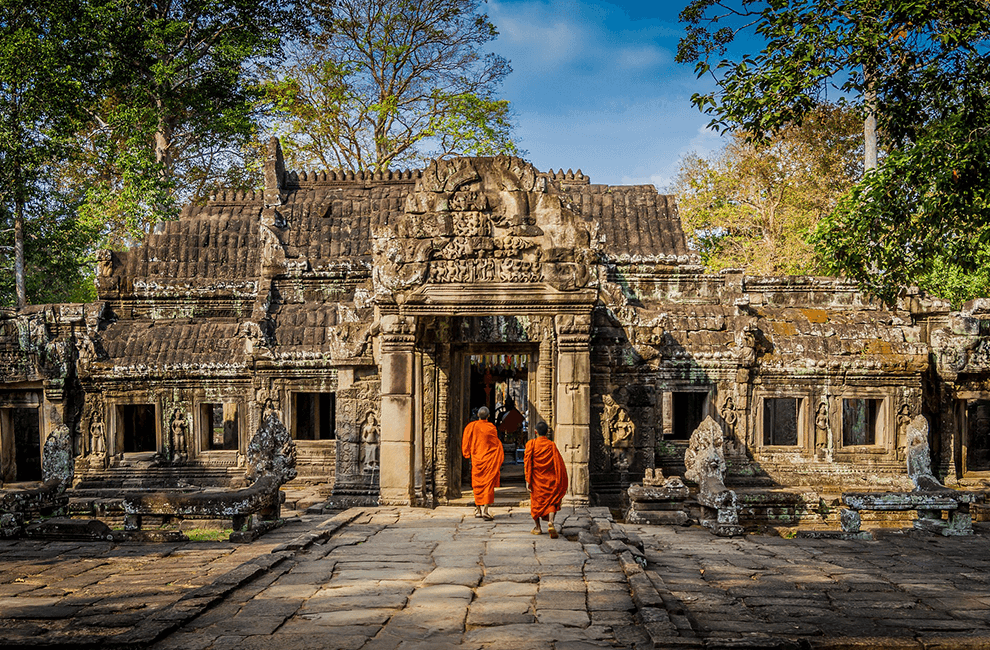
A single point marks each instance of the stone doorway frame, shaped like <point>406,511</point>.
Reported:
<point>402,380</point>
<point>960,433</point>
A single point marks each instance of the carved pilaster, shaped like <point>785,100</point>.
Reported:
<point>397,461</point>
<point>573,416</point>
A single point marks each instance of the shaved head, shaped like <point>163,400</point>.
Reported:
<point>483,413</point>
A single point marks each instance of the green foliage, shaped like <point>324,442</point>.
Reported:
<point>43,77</point>
<point>921,67</point>
<point>753,205</point>
<point>180,102</point>
<point>383,84</point>
<point>58,254</point>
<point>923,217</point>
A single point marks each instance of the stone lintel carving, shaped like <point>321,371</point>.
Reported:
<point>705,463</point>
<point>349,340</point>
<point>484,221</point>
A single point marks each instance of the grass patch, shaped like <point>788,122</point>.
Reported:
<point>208,534</point>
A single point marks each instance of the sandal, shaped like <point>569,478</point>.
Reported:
<point>552,531</point>
<point>488,516</point>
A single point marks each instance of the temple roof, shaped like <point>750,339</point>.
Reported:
<point>327,220</point>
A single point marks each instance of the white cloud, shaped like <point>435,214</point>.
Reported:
<point>536,34</point>
<point>642,56</point>
<point>704,142</point>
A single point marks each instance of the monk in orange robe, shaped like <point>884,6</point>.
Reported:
<point>546,479</point>
<point>480,443</point>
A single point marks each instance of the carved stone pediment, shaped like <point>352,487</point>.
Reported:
<point>482,221</point>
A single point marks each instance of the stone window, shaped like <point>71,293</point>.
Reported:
<point>780,421</point>
<point>862,421</point>
<point>137,427</point>
<point>689,409</point>
<point>218,424</point>
<point>21,434</point>
<point>313,416</point>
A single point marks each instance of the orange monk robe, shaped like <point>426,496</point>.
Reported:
<point>481,444</point>
<point>546,476</point>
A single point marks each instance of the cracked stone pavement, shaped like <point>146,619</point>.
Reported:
<point>403,578</point>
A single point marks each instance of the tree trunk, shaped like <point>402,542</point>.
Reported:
<point>20,285</point>
<point>163,147</point>
<point>870,136</point>
<point>870,125</point>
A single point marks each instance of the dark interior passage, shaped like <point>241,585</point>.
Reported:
<point>26,426</point>
<point>138,425</point>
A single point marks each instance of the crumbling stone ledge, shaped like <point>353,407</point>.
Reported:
<point>262,498</point>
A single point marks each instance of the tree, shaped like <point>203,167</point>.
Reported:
<point>43,74</point>
<point>385,83</point>
<point>920,69</point>
<point>754,204</point>
<point>180,103</point>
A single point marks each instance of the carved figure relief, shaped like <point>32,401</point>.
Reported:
<point>97,433</point>
<point>369,444</point>
<point>618,431</point>
<point>730,418</point>
<point>821,426</point>
<point>746,346</point>
<point>179,428</point>
<point>903,421</point>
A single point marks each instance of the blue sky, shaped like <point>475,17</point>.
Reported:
<point>595,86</point>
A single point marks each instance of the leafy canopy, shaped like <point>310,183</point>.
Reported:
<point>386,83</point>
<point>754,204</point>
<point>45,73</point>
<point>178,107</point>
<point>922,216</point>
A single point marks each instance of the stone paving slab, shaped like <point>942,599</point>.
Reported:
<point>105,595</point>
<point>401,579</point>
<point>443,580</point>
<point>904,590</point>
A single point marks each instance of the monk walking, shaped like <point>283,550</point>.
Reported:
<point>481,444</point>
<point>546,479</point>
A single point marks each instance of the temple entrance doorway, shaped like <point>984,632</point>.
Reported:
<point>976,436</point>
<point>502,378</point>
<point>21,428</point>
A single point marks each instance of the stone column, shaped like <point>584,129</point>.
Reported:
<point>397,425</point>
<point>573,412</point>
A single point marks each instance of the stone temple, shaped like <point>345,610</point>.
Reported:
<point>374,312</point>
